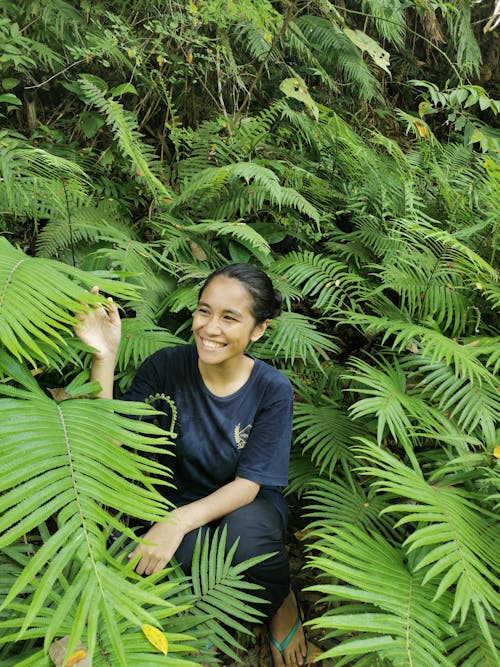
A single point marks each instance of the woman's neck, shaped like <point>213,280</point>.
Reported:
<point>224,380</point>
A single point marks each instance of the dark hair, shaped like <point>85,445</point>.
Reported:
<point>266,301</point>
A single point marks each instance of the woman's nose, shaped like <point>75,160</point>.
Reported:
<point>212,326</point>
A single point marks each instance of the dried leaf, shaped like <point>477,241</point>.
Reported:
<point>76,657</point>
<point>57,652</point>
<point>156,638</point>
<point>421,129</point>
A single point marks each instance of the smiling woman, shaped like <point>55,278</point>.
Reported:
<point>233,439</point>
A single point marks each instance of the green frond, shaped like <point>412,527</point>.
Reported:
<point>381,599</point>
<point>327,281</point>
<point>452,539</point>
<point>472,405</point>
<point>38,297</point>
<point>239,231</point>
<point>294,336</point>
<point>295,41</point>
<point>139,340</point>
<point>81,478</point>
<point>333,503</point>
<point>83,225</point>
<point>222,594</point>
<point>389,19</point>
<point>469,648</point>
<point>399,409</point>
<point>326,435</point>
<point>262,185</point>
<point>37,184</point>
<point>128,137</point>
<point>335,51</point>
<point>429,342</point>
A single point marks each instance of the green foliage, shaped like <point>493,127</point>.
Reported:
<point>145,144</point>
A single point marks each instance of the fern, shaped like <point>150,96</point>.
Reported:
<point>128,137</point>
<point>384,602</point>
<point>35,297</point>
<point>326,434</point>
<point>455,543</point>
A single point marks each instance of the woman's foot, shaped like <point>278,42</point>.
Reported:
<point>288,642</point>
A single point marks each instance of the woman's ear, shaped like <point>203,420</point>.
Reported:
<point>259,330</point>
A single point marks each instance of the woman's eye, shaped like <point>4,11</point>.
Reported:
<point>203,311</point>
<point>231,319</point>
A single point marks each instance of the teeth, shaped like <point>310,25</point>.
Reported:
<point>212,344</point>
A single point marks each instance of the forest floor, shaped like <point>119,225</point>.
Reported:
<point>257,653</point>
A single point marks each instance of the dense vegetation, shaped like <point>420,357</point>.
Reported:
<point>350,149</point>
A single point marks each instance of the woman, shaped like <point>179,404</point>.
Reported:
<point>234,416</point>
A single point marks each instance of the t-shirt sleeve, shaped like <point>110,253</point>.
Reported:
<point>149,381</point>
<point>265,458</point>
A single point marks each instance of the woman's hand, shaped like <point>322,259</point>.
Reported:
<point>100,328</point>
<point>166,537</point>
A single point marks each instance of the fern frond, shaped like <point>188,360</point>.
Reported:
<point>429,342</point>
<point>335,50</point>
<point>139,340</point>
<point>394,617</point>
<point>333,503</point>
<point>294,336</point>
<point>454,542</point>
<point>389,401</point>
<point>38,297</point>
<point>326,434</point>
<point>78,475</point>
<point>328,281</point>
<point>239,231</point>
<point>389,19</point>
<point>129,139</point>
<point>221,592</point>
<point>472,405</point>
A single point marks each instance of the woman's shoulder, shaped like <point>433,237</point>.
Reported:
<point>166,357</point>
<point>273,378</point>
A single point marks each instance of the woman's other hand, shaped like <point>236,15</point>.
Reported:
<point>165,537</point>
<point>100,328</point>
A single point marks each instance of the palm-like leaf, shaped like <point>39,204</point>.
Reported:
<point>326,434</point>
<point>128,136</point>
<point>37,299</point>
<point>455,541</point>
<point>75,473</point>
<point>473,405</point>
<point>294,336</point>
<point>393,615</point>
<point>221,594</point>
<point>333,503</point>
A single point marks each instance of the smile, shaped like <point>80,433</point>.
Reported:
<point>211,344</point>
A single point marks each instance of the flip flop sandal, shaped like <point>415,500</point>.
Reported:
<point>281,646</point>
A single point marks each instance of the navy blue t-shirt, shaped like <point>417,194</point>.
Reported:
<point>246,434</point>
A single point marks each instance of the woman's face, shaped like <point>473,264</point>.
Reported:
<point>223,323</point>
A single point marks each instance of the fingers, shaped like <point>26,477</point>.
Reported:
<point>150,563</point>
<point>113,314</point>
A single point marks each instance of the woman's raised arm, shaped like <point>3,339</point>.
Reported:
<point>100,328</point>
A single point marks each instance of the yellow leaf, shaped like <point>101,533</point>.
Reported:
<point>421,129</point>
<point>75,657</point>
<point>156,638</point>
<point>496,452</point>
<point>189,57</point>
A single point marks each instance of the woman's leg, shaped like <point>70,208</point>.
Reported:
<point>260,529</point>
